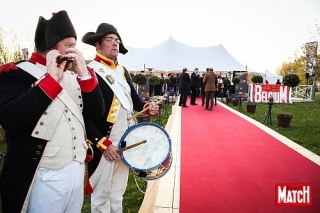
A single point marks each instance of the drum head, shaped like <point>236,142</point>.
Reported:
<point>150,155</point>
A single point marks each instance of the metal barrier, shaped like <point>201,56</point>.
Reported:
<point>303,91</point>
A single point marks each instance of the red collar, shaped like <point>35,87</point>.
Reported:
<point>36,58</point>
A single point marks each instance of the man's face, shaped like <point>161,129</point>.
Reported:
<point>65,44</point>
<point>109,46</point>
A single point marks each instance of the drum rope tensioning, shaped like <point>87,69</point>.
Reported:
<point>150,160</point>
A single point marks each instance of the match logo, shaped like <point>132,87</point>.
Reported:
<point>288,194</point>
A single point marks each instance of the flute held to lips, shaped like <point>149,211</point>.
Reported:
<point>61,58</point>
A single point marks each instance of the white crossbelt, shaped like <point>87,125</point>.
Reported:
<point>114,81</point>
<point>37,72</point>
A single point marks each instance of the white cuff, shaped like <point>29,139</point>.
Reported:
<point>82,78</point>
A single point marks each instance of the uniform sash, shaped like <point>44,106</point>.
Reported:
<point>64,100</point>
<point>114,81</point>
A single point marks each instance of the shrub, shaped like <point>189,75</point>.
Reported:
<point>235,80</point>
<point>162,81</point>
<point>291,80</point>
<point>139,79</point>
<point>226,81</point>
<point>257,79</point>
<point>153,80</point>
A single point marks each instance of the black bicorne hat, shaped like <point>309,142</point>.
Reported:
<point>102,30</point>
<point>58,28</point>
<point>39,37</point>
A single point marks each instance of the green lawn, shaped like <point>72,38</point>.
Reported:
<point>304,127</point>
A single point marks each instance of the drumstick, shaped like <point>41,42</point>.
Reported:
<point>131,146</point>
<point>145,109</point>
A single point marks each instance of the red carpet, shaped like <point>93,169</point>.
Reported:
<point>229,165</point>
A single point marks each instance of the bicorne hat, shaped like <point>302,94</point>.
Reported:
<point>39,37</point>
<point>58,28</point>
<point>102,30</point>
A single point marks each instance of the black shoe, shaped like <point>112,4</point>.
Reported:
<point>185,106</point>
<point>193,104</point>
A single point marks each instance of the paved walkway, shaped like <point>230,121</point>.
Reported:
<point>163,194</point>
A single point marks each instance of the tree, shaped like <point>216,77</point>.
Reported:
<point>235,80</point>
<point>4,52</point>
<point>299,65</point>
<point>291,80</point>
<point>17,50</point>
<point>300,62</point>
<point>286,68</point>
<point>315,35</point>
<point>226,82</point>
<point>139,79</point>
<point>257,79</point>
<point>153,81</point>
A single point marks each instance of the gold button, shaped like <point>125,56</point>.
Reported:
<point>45,113</point>
<point>66,110</point>
<point>108,132</point>
<point>39,146</point>
<point>41,123</point>
<point>110,127</point>
<point>74,137</point>
<point>74,147</point>
<point>75,157</point>
<point>38,152</point>
<point>36,132</point>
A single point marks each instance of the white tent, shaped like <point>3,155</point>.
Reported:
<point>271,77</point>
<point>172,55</point>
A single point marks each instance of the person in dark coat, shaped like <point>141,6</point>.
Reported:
<point>178,84</point>
<point>201,89</point>
<point>173,84</point>
<point>107,173</point>
<point>210,82</point>
<point>42,105</point>
<point>184,81</point>
<point>194,86</point>
<point>216,82</point>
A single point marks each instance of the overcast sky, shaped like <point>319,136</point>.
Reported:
<point>259,33</point>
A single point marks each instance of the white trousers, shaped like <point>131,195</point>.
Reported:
<point>58,191</point>
<point>109,183</point>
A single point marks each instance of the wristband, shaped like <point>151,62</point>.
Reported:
<point>103,144</point>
